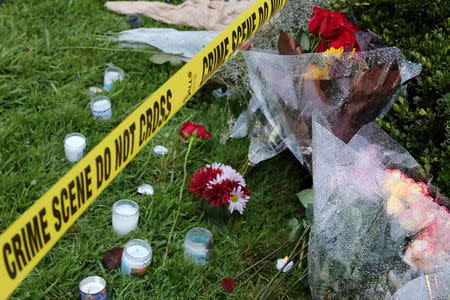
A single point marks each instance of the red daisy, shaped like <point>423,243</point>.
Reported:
<point>216,193</point>
<point>200,179</point>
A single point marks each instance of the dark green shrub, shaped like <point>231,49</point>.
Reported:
<point>420,119</point>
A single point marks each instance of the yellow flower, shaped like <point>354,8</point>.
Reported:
<point>316,73</point>
<point>335,52</point>
<point>394,206</point>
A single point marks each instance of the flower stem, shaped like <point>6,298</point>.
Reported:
<point>274,252</point>
<point>179,201</point>
<point>268,292</point>
<point>264,291</point>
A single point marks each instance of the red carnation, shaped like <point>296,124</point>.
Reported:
<point>217,193</point>
<point>189,128</point>
<point>228,284</point>
<point>201,178</point>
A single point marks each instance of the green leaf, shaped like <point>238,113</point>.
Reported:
<point>306,197</point>
<point>293,236</point>
<point>160,58</point>
<point>299,34</point>
<point>293,222</point>
<point>310,212</point>
<point>175,60</point>
<point>305,42</point>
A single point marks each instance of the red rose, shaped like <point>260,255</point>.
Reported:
<point>327,23</point>
<point>189,128</point>
<point>317,16</point>
<point>334,30</point>
<point>323,46</point>
<point>346,39</point>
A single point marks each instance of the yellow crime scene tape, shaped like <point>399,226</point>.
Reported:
<point>34,233</point>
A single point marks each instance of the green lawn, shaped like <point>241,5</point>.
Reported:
<point>43,97</point>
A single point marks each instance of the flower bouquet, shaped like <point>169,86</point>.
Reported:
<point>375,228</point>
<point>351,78</point>
<point>220,185</point>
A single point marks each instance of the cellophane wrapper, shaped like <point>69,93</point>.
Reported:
<point>349,89</point>
<point>377,233</point>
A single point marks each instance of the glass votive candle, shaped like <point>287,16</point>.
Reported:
<point>198,245</point>
<point>74,145</point>
<point>101,107</point>
<point>93,288</point>
<point>133,20</point>
<point>136,257</point>
<point>112,74</point>
<point>125,215</point>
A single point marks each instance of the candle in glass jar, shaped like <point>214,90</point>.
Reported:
<point>125,216</point>
<point>136,257</point>
<point>198,245</point>
<point>93,288</point>
<point>112,74</point>
<point>101,107</point>
<point>74,145</point>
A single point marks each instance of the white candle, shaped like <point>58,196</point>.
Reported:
<point>125,216</point>
<point>281,262</point>
<point>92,287</point>
<point>136,257</point>
<point>138,251</point>
<point>101,107</point>
<point>74,145</point>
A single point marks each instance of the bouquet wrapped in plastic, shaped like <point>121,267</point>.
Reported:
<point>375,227</point>
<point>350,88</point>
<point>351,78</point>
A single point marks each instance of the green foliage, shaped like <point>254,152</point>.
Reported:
<point>44,96</point>
<point>420,120</point>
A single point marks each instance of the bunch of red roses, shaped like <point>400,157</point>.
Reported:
<point>334,29</point>
<point>220,183</point>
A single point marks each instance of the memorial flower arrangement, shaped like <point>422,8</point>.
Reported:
<point>410,205</point>
<point>349,76</point>
<point>191,133</point>
<point>375,228</point>
<point>220,185</point>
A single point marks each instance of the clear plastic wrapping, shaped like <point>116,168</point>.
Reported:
<point>349,89</point>
<point>375,227</point>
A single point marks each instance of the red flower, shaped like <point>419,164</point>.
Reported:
<point>217,193</point>
<point>189,128</point>
<point>327,23</point>
<point>323,46</point>
<point>228,284</point>
<point>201,178</point>
<point>346,39</point>
<point>334,30</point>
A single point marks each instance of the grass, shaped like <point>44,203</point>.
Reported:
<point>43,97</point>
